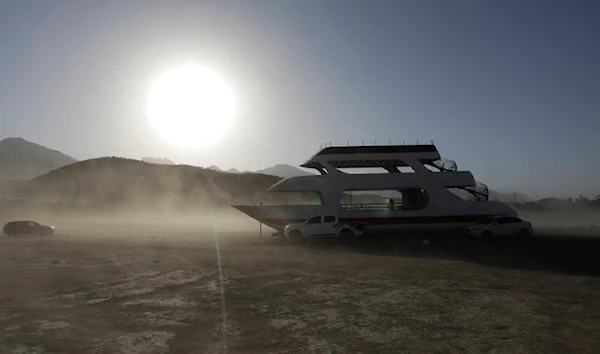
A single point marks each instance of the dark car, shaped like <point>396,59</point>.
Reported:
<point>15,228</point>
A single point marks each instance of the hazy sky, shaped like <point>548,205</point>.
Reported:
<point>509,89</point>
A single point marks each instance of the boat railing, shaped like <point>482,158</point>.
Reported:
<point>368,207</point>
<point>375,143</point>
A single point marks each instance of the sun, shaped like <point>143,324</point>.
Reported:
<point>191,106</point>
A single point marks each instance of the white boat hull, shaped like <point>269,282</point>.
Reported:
<point>278,217</point>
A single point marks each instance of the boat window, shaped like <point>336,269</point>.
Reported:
<point>375,170</point>
<point>509,220</point>
<point>328,218</point>
<point>291,198</point>
<point>363,170</point>
<point>445,165</point>
<point>414,199</point>
<point>405,169</point>
<point>431,167</point>
<point>460,192</point>
<point>314,220</point>
<point>441,165</point>
<point>477,193</point>
<point>384,200</point>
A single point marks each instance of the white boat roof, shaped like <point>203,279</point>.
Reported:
<point>371,155</point>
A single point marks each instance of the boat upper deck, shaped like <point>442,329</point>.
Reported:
<point>373,155</point>
<point>376,149</point>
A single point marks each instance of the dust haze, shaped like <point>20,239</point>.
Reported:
<point>113,191</point>
<point>202,280</point>
<point>154,260</point>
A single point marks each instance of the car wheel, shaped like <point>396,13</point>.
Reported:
<point>523,234</point>
<point>347,235</point>
<point>296,236</point>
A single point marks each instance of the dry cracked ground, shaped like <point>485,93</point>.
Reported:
<point>127,289</point>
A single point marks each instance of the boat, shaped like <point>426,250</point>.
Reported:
<point>354,181</point>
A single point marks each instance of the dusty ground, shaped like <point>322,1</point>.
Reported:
<point>125,288</point>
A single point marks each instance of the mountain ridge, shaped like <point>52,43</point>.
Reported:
<point>22,159</point>
<point>158,160</point>
<point>285,171</point>
<point>122,182</point>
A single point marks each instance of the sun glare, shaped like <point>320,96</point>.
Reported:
<point>191,106</point>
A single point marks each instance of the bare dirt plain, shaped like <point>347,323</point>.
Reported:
<point>140,288</point>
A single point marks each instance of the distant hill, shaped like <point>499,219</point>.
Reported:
<point>158,160</point>
<point>282,170</point>
<point>118,182</point>
<point>21,159</point>
<point>215,168</point>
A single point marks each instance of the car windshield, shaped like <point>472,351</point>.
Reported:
<point>486,221</point>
